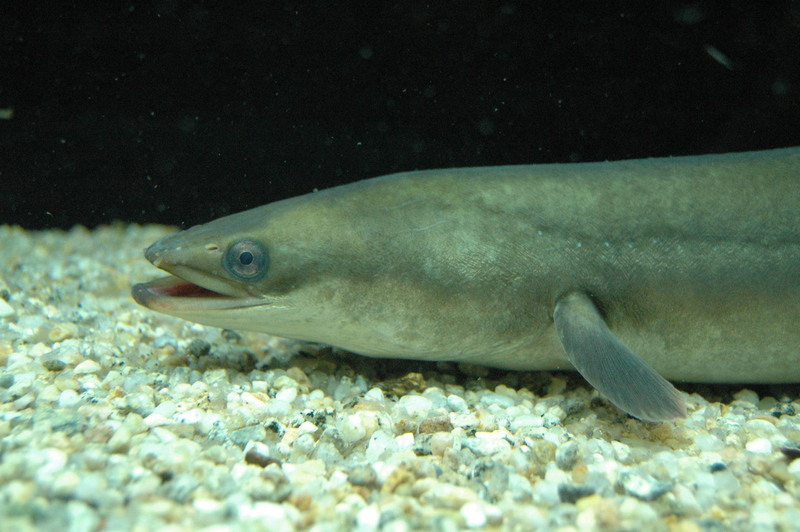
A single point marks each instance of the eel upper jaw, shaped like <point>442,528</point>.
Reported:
<point>189,290</point>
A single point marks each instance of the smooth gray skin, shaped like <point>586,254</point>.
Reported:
<point>693,263</point>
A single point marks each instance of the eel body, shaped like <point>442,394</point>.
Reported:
<point>684,268</point>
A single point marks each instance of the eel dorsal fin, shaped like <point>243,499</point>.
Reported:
<point>606,363</point>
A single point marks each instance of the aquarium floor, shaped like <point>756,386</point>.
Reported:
<point>113,417</point>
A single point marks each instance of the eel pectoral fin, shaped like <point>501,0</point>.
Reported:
<point>606,363</point>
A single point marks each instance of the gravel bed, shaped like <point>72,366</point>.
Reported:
<point>113,417</point>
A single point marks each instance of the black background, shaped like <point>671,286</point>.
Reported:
<point>179,112</point>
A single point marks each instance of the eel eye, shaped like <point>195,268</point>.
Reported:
<point>247,260</point>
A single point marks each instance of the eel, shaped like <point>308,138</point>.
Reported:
<point>631,272</point>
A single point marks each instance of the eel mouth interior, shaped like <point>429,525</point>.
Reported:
<point>173,294</point>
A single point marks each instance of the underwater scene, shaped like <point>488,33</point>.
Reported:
<point>553,341</point>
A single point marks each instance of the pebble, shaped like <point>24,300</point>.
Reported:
<point>156,420</point>
<point>567,455</point>
<point>759,446</point>
<point>287,395</point>
<point>6,309</point>
<point>708,442</point>
<point>243,436</point>
<point>112,416</point>
<point>490,443</point>
<point>68,399</point>
<point>526,421</point>
<point>414,407</point>
<point>368,518</point>
<point>351,428</point>
<point>473,514</point>
<point>62,331</point>
<point>572,493</point>
<point>449,496</point>
<point>746,396</point>
<point>502,401</point>
<point>198,348</point>
<point>7,380</point>
<point>643,486</point>
<point>81,517</point>
<point>54,364</point>
<point>457,404</point>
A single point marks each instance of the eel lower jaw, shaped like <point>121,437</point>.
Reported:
<point>173,295</point>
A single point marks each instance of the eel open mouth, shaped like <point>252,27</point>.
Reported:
<point>173,295</point>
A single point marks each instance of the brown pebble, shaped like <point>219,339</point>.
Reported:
<point>301,501</point>
<point>198,348</point>
<point>303,382</point>
<point>791,452</point>
<point>397,478</point>
<point>580,474</point>
<point>54,365</point>
<point>256,457</point>
<point>543,451</point>
<point>62,331</point>
<point>435,424</point>
<point>363,476</point>
<point>231,336</point>
<point>413,382</point>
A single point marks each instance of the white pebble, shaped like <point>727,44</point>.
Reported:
<point>21,403</point>
<point>166,408</point>
<point>369,517</point>
<point>759,446</point>
<point>708,442</point>
<point>351,428</point>
<point>278,408</point>
<point>68,399</point>
<point>761,427</point>
<point>488,443</point>
<point>304,443</point>
<point>622,451</point>
<point>119,441</point>
<point>344,390</point>
<point>456,403</point>
<point>156,420</point>
<point>266,512</point>
<point>251,399</point>
<point>81,516</point>
<point>748,396</point>
<point>284,381</point>
<point>726,482</point>
<point>794,469</point>
<point>526,421</point>
<point>49,393</point>
<point>550,420</point>
<point>379,443</point>
<point>259,386</point>
<point>208,422</point>
<point>473,514</point>
<point>374,394</point>
<point>5,308</point>
<point>449,496</point>
<point>65,483</point>
<point>48,462</point>
<point>307,427</point>
<point>87,366</point>
<point>287,394</point>
<point>465,421</point>
<point>405,441</point>
<point>414,406</point>
<point>190,417</point>
<point>490,398</point>
<point>209,508</point>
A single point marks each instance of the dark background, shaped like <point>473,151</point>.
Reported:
<point>179,112</point>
